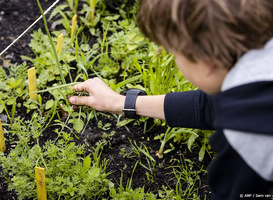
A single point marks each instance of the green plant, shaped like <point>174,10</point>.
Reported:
<point>131,194</point>
<point>13,87</point>
<point>151,162</point>
<point>45,61</point>
<point>161,75</point>
<point>178,134</point>
<point>73,5</point>
<point>188,180</point>
<point>52,44</point>
<point>168,135</point>
<point>90,15</point>
<point>76,120</point>
<point>128,193</point>
<point>70,174</point>
<point>205,145</point>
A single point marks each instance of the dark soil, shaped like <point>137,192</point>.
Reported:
<point>15,17</point>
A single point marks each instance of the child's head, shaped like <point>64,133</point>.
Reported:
<point>218,31</point>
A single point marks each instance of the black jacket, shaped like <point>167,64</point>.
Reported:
<point>247,108</point>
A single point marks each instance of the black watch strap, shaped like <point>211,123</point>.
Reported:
<point>130,101</point>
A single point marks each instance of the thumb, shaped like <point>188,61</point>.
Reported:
<point>79,100</point>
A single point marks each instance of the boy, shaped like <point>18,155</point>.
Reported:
<point>225,48</point>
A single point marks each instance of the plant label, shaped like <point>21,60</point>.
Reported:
<point>40,182</point>
<point>92,13</point>
<point>2,139</point>
<point>60,43</point>
<point>74,19</point>
<point>32,83</point>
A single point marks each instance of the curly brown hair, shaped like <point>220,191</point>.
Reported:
<point>221,30</point>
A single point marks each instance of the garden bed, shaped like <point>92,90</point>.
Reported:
<point>125,149</point>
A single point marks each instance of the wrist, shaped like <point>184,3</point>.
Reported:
<point>119,104</point>
<point>151,106</point>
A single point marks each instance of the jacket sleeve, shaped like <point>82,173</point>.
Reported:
<point>192,109</point>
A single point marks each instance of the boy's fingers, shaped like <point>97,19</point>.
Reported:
<point>98,80</point>
<point>79,100</point>
<point>78,87</point>
<point>81,86</point>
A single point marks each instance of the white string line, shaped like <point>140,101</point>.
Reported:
<point>29,27</point>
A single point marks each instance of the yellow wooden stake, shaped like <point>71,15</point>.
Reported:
<point>2,139</point>
<point>92,13</point>
<point>32,83</point>
<point>40,182</point>
<point>60,43</point>
<point>74,19</point>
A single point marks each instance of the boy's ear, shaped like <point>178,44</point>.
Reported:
<point>212,66</point>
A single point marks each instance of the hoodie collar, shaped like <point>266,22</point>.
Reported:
<point>254,66</point>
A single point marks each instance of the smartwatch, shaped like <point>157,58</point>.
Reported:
<point>130,102</point>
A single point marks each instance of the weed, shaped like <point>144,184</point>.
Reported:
<point>128,193</point>
<point>151,163</point>
<point>188,180</point>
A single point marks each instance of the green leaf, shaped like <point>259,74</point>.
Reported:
<point>138,39</point>
<point>67,108</point>
<point>78,125</point>
<point>49,104</point>
<point>85,47</point>
<point>131,47</point>
<point>11,101</point>
<point>191,140</point>
<point>131,35</point>
<point>95,172</point>
<point>82,67</point>
<point>112,18</point>
<point>168,151</point>
<point>202,153</point>
<point>1,108</point>
<point>126,81</point>
<point>158,137</point>
<point>124,122</point>
<point>86,163</point>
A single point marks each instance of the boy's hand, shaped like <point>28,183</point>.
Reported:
<point>102,97</point>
